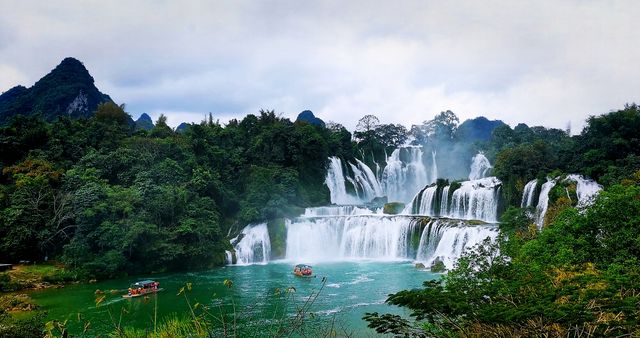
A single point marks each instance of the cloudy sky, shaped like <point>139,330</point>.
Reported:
<point>545,63</point>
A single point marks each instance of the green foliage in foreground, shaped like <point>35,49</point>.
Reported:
<point>578,277</point>
<point>28,326</point>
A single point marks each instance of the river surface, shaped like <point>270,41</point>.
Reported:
<point>350,290</point>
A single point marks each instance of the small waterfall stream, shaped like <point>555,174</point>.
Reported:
<point>527,195</point>
<point>480,166</point>
<point>586,189</point>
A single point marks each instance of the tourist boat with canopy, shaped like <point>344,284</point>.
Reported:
<point>303,270</point>
<point>142,288</point>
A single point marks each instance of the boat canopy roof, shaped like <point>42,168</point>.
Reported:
<point>144,282</point>
<point>303,266</point>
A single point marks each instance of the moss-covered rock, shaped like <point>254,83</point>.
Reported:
<point>475,222</point>
<point>438,266</point>
<point>393,208</point>
<point>278,236</point>
<point>455,185</point>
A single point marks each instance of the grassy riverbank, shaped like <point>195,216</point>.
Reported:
<point>19,314</point>
<point>36,276</point>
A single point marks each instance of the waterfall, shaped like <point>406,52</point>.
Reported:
<point>477,199</point>
<point>366,183</point>
<point>447,242</point>
<point>353,237</point>
<point>434,168</point>
<point>254,245</point>
<point>403,176</point>
<point>228,257</point>
<point>479,167</point>
<point>586,189</point>
<point>543,202</point>
<point>444,204</point>
<point>428,200</point>
<point>381,238</point>
<point>401,180</point>
<point>527,195</point>
<point>336,183</point>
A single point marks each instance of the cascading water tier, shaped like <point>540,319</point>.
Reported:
<point>477,199</point>
<point>586,189</point>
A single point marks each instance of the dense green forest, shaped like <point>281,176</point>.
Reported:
<point>102,197</point>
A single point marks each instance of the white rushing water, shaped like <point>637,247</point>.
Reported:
<point>365,182</point>
<point>434,167</point>
<point>527,195</point>
<point>480,166</point>
<point>254,245</point>
<point>586,189</point>
<point>336,182</point>
<point>339,210</point>
<point>444,242</point>
<point>381,238</point>
<point>477,199</point>
<point>354,237</point>
<point>543,202</point>
<point>405,173</point>
<point>403,176</point>
<point>347,230</point>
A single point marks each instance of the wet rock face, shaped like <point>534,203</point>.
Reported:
<point>393,208</point>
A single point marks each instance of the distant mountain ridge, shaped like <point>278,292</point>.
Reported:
<point>308,117</point>
<point>478,129</point>
<point>68,90</point>
<point>144,122</point>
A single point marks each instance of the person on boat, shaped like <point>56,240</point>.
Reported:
<point>129,292</point>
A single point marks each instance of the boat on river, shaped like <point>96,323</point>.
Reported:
<point>303,270</point>
<point>142,288</point>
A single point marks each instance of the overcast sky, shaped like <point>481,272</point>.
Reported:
<point>540,62</point>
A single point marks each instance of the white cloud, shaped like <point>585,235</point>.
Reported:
<point>538,62</point>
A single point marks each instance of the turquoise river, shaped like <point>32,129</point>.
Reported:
<point>350,290</point>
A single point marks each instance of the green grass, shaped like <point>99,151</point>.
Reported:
<point>30,276</point>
